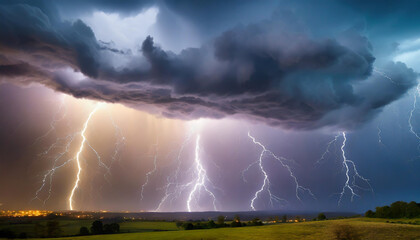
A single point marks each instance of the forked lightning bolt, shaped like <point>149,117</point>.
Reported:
<point>266,185</point>
<point>173,187</point>
<point>82,145</point>
<point>413,109</point>
<point>201,179</point>
<point>355,175</point>
<point>148,174</point>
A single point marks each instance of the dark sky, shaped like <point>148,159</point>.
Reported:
<point>157,104</point>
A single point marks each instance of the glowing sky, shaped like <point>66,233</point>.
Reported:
<point>195,105</point>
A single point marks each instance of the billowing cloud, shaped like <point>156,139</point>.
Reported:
<point>274,71</point>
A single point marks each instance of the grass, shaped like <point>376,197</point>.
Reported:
<point>368,228</point>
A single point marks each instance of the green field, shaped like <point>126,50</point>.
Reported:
<point>368,229</point>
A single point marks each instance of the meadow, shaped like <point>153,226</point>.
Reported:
<point>367,228</point>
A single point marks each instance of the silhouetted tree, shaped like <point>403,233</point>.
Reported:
<point>53,229</point>
<point>84,231</point>
<point>413,210</point>
<point>211,224</point>
<point>97,227</point>
<point>236,222</point>
<point>370,214</point>
<point>188,226</point>
<point>178,224</point>
<point>39,230</point>
<point>321,216</point>
<point>221,220</point>
<point>256,222</point>
<point>284,218</point>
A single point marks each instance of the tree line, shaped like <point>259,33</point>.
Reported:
<point>397,209</point>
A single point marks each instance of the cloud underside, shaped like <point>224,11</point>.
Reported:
<point>272,71</point>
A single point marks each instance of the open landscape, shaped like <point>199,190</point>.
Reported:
<point>385,229</point>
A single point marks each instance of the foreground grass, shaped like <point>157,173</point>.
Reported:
<point>368,228</point>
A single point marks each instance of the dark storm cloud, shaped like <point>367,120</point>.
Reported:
<point>274,71</point>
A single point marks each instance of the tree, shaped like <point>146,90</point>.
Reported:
<point>39,230</point>
<point>53,229</point>
<point>284,218</point>
<point>370,214</point>
<point>97,227</point>
<point>84,231</point>
<point>413,210</point>
<point>236,221</point>
<point>276,219</point>
<point>221,220</point>
<point>211,224</point>
<point>178,224</point>
<point>321,216</point>
<point>188,226</point>
<point>257,222</point>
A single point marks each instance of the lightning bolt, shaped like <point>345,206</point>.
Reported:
<point>383,74</point>
<point>49,175</point>
<point>201,179</point>
<point>351,185</point>
<point>327,149</point>
<point>266,185</point>
<point>413,109</point>
<point>55,120</point>
<point>148,174</point>
<point>173,188</point>
<point>82,144</point>
<point>380,136</point>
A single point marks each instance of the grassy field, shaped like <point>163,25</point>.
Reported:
<point>368,229</point>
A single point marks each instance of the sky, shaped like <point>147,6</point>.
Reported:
<point>209,105</point>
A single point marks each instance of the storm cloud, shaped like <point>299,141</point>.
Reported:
<point>274,71</point>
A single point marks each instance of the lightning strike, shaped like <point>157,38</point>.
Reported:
<point>55,120</point>
<point>327,149</point>
<point>200,182</point>
<point>173,188</point>
<point>148,174</point>
<point>82,144</point>
<point>266,185</point>
<point>413,109</point>
<point>351,185</point>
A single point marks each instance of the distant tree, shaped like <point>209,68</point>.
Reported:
<point>84,231</point>
<point>39,230</point>
<point>188,226</point>
<point>321,216</point>
<point>298,218</point>
<point>97,227</point>
<point>413,210</point>
<point>398,209</point>
<point>53,229</point>
<point>211,224</point>
<point>236,221</point>
<point>284,218</point>
<point>178,224</point>
<point>276,219</point>
<point>221,220</point>
<point>256,222</point>
<point>370,214</point>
